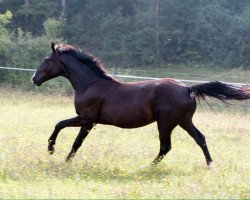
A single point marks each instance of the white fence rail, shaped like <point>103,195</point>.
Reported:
<point>131,77</point>
<point>18,69</point>
<point>245,104</point>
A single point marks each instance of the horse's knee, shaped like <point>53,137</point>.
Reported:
<point>59,126</point>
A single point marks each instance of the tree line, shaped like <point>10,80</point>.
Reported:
<point>128,33</point>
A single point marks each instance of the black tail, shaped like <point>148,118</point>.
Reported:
<point>221,91</point>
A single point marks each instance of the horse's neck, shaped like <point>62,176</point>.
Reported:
<point>80,76</point>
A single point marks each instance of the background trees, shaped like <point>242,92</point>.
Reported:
<point>129,32</point>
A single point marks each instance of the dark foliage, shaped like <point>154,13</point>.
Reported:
<point>125,33</point>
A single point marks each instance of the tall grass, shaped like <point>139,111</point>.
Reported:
<point>114,162</point>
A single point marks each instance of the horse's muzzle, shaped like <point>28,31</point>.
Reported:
<point>36,81</point>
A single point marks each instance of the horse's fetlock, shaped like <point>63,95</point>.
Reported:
<point>166,148</point>
<point>51,142</point>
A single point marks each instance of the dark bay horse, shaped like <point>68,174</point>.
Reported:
<point>100,99</point>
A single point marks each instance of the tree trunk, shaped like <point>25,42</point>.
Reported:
<point>63,6</point>
<point>157,35</point>
<point>26,5</point>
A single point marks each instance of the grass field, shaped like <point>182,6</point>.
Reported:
<point>114,162</point>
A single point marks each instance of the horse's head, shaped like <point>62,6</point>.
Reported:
<point>50,68</point>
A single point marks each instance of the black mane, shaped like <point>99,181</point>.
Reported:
<point>86,58</point>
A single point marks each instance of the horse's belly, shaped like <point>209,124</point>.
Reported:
<point>126,123</point>
<point>127,118</point>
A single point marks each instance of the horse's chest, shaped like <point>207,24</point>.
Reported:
<point>88,107</point>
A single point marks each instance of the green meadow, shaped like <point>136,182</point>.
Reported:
<point>114,162</point>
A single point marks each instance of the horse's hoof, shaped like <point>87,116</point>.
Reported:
<point>147,166</point>
<point>210,165</point>
<point>51,150</point>
<point>154,163</point>
<point>68,159</point>
<point>70,156</point>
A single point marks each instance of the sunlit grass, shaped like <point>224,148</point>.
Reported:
<point>114,162</point>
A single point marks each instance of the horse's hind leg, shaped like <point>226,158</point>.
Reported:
<point>165,130</point>
<point>84,131</point>
<point>198,137</point>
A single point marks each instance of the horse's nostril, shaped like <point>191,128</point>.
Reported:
<point>36,81</point>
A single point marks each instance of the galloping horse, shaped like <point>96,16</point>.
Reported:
<point>101,99</point>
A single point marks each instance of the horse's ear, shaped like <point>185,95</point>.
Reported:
<point>53,47</point>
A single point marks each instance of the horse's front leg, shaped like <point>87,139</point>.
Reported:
<point>73,122</point>
<point>79,139</point>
